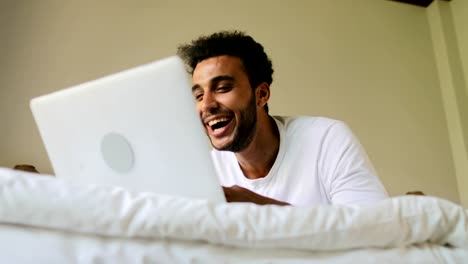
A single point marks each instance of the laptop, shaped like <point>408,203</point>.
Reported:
<point>137,129</point>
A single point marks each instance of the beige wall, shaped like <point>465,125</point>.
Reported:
<point>369,63</point>
<point>448,25</point>
<point>459,9</point>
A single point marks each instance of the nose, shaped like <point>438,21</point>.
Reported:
<point>208,103</point>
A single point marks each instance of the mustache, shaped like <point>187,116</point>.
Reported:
<point>214,112</point>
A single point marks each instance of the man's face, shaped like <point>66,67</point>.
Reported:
<point>225,102</point>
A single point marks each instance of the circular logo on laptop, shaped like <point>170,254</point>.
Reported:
<point>117,152</point>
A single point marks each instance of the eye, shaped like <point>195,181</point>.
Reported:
<point>223,89</point>
<point>198,96</point>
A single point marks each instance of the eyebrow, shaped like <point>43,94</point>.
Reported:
<point>215,80</point>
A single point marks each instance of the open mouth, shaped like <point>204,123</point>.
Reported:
<point>219,126</point>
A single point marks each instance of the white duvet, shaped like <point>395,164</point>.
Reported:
<point>113,214</point>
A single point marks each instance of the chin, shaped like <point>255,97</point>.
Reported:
<point>220,147</point>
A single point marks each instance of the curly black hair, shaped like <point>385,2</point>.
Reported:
<point>235,43</point>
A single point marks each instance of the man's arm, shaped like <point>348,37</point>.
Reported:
<point>348,173</point>
<point>238,194</point>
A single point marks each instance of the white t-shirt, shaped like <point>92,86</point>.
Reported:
<point>319,161</point>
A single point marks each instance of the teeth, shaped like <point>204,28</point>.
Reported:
<point>215,121</point>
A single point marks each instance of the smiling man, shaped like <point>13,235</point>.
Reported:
<point>263,159</point>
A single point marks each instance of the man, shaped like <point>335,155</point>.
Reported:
<point>262,159</point>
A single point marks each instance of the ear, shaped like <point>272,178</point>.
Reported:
<point>262,93</point>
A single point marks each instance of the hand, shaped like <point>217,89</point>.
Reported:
<point>238,194</point>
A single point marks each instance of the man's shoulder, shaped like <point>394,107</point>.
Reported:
<point>302,121</point>
<point>313,129</point>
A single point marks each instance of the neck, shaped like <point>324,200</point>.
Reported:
<point>258,158</point>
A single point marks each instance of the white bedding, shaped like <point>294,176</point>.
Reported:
<point>27,245</point>
<point>60,223</point>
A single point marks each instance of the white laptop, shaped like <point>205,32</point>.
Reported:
<point>137,129</point>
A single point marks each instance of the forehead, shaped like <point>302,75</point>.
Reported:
<point>218,66</point>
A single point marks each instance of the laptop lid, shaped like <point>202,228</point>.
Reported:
<point>137,129</point>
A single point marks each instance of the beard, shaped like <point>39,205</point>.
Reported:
<point>246,127</point>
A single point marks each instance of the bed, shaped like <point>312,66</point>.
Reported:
<point>46,220</point>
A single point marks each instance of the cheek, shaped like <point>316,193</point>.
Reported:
<point>198,109</point>
<point>232,101</point>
